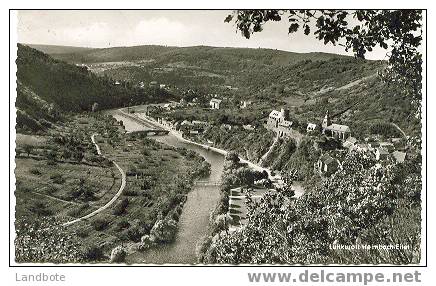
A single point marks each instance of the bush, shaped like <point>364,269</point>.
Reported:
<point>145,243</point>
<point>51,190</point>
<point>93,253</point>
<point>121,207</point>
<point>123,224</point>
<point>57,178</point>
<point>35,171</point>
<point>100,224</point>
<point>135,233</point>
<point>40,209</point>
<point>164,230</point>
<point>77,212</point>
<point>82,232</point>
<point>118,254</point>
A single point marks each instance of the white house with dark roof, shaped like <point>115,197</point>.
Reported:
<point>215,103</point>
<point>310,127</point>
<point>279,122</point>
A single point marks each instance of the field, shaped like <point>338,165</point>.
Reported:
<point>56,184</point>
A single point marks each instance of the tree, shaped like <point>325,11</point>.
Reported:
<point>28,149</point>
<point>397,31</point>
<point>78,155</point>
<point>94,107</point>
<point>232,157</point>
<point>344,208</point>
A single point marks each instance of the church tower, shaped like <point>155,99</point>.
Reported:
<point>326,122</point>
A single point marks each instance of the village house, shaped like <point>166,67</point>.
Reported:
<point>311,127</point>
<point>215,103</point>
<point>284,128</point>
<point>400,157</point>
<point>226,126</point>
<point>361,147</point>
<point>372,146</point>
<point>185,123</point>
<point>245,104</point>
<point>279,122</point>
<point>387,146</point>
<point>248,127</point>
<point>381,154</point>
<point>338,131</point>
<point>350,143</point>
<point>327,165</point>
<point>201,123</point>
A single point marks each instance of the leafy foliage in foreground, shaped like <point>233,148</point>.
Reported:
<point>356,204</point>
<point>399,31</point>
<point>42,241</point>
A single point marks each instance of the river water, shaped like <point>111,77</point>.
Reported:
<point>194,220</point>
<point>201,200</point>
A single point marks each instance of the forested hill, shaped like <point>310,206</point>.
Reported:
<point>222,56</point>
<point>47,87</point>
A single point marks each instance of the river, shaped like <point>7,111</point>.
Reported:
<point>201,200</point>
<point>194,220</point>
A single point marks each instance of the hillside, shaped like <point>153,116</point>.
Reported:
<point>47,87</point>
<point>53,49</point>
<point>189,54</point>
<point>307,83</point>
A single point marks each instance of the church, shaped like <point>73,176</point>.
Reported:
<point>338,131</point>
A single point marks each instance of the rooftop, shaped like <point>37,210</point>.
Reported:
<point>327,159</point>
<point>274,113</point>
<point>338,127</point>
<point>399,156</point>
<point>382,151</point>
<point>352,140</point>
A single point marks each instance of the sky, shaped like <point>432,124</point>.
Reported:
<point>101,29</point>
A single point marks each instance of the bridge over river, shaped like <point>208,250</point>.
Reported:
<point>147,127</point>
<point>208,183</point>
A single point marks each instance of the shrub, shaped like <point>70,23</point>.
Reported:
<point>93,253</point>
<point>82,232</point>
<point>51,190</point>
<point>77,212</point>
<point>135,233</point>
<point>121,207</point>
<point>35,171</point>
<point>100,224</point>
<point>40,209</point>
<point>123,224</point>
<point>164,230</point>
<point>57,178</point>
<point>130,193</point>
<point>118,254</point>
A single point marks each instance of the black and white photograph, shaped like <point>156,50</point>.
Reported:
<point>218,137</point>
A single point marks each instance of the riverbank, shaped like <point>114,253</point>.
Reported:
<point>275,179</point>
<point>194,221</point>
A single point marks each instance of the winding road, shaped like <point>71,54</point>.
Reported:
<point>108,204</point>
